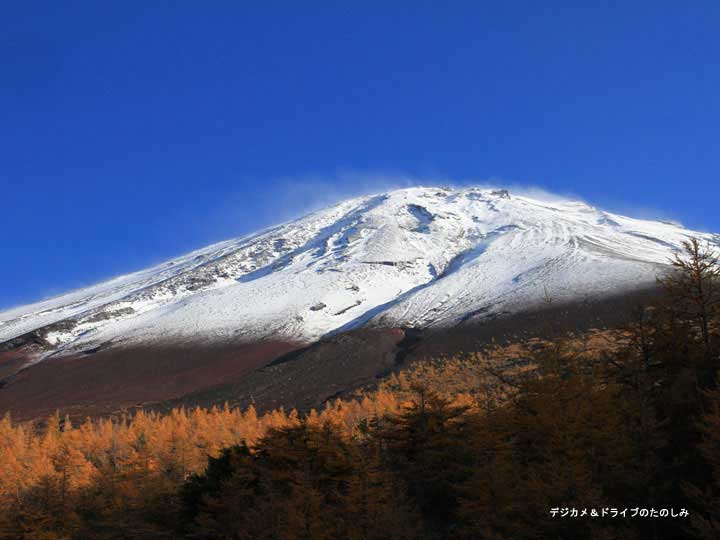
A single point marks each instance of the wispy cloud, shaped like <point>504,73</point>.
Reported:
<point>291,197</point>
<point>287,198</point>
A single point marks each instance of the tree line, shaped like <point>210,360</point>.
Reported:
<point>423,457</point>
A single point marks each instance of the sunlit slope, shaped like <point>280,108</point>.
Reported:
<point>415,257</point>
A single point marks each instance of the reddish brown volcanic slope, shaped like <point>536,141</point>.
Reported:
<point>267,373</point>
<point>310,376</point>
<point>119,378</point>
<point>11,361</point>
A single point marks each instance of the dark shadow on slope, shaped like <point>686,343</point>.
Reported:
<point>423,216</point>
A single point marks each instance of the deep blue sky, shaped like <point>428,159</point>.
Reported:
<point>134,131</point>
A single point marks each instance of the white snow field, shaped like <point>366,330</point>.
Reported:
<point>415,257</point>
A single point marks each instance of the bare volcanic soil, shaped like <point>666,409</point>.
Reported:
<point>308,377</point>
<point>120,378</point>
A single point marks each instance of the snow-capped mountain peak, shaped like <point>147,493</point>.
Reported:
<point>415,257</point>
